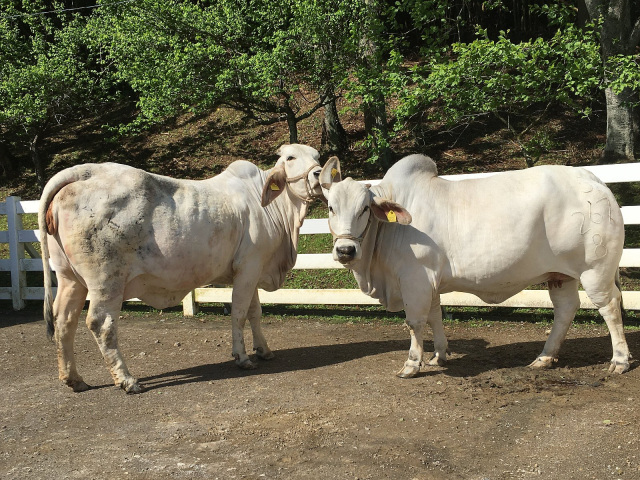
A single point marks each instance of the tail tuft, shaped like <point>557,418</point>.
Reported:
<point>623,312</point>
<point>48,314</point>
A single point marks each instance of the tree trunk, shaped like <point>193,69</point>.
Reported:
<point>292,122</point>
<point>334,135</point>
<point>375,125</point>
<point>7,161</point>
<point>622,127</point>
<point>620,36</point>
<point>37,163</point>
<point>375,115</point>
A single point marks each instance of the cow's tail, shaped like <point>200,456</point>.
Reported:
<point>623,312</point>
<point>47,225</point>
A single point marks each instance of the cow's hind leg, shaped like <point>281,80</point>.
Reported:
<point>613,317</point>
<point>101,320</point>
<point>66,310</point>
<point>566,302</point>
<point>259,341</point>
<point>608,300</point>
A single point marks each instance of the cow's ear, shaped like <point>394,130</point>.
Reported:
<point>389,211</point>
<point>330,174</point>
<point>274,185</point>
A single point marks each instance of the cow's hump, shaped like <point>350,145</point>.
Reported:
<point>411,165</point>
<point>243,169</point>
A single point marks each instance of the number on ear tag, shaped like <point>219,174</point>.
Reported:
<point>391,216</point>
<point>274,187</point>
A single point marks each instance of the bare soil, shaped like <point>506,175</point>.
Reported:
<point>328,406</point>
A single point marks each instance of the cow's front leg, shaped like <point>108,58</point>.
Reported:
<point>238,350</point>
<point>101,320</point>
<point>421,305</point>
<point>259,341</point>
<point>241,301</point>
<point>439,338</point>
<point>416,312</point>
<point>412,365</point>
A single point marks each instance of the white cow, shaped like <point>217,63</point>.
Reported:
<point>115,232</point>
<point>492,237</point>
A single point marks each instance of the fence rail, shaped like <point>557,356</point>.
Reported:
<point>20,245</point>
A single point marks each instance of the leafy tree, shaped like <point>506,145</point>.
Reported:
<point>48,75</point>
<point>274,61</point>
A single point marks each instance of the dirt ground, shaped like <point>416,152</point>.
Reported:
<point>328,406</point>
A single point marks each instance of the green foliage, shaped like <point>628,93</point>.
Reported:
<point>284,60</point>
<point>623,72</point>
<point>515,82</point>
<point>48,75</point>
<point>255,56</point>
<point>379,70</point>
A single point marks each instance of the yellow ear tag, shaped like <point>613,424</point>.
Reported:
<point>334,172</point>
<point>274,187</point>
<point>391,216</point>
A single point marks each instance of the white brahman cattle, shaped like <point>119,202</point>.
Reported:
<point>415,235</point>
<point>115,232</point>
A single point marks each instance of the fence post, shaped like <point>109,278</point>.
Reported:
<point>16,252</point>
<point>189,305</point>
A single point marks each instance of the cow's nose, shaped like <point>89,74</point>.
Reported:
<point>346,252</point>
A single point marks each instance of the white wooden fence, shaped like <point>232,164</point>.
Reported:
<point>20,241</point>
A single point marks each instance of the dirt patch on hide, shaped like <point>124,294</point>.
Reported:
<point>328,406</point>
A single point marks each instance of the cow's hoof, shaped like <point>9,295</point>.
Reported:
<point>543,362</point>
<point>618,367</point>
<point>246,365</point>
<point>78,386</point>
<point>132,387</point>
<point>268,355</point>
<point>408,371</point>
<point>437,361</point>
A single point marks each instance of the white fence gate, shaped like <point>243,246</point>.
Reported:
<point>20,241</point>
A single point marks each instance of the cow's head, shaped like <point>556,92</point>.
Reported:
<point>352,208</point>
<point>297,170</point>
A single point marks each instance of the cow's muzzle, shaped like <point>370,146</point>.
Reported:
<point>345,253</point>
<point>346,246</point>
<point>313,191</point>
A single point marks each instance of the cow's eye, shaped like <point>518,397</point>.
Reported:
<point>330,209</point>
<point>290,157</point>
<point>364,210</point>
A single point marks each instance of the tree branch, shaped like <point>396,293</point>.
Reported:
<point>322,101</point>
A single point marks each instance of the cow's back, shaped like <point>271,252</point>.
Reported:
<point>155,232</point>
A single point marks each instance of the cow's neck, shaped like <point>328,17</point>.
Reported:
<point>362,268</point>
<point>292,212</point>
<point>287,212</point>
